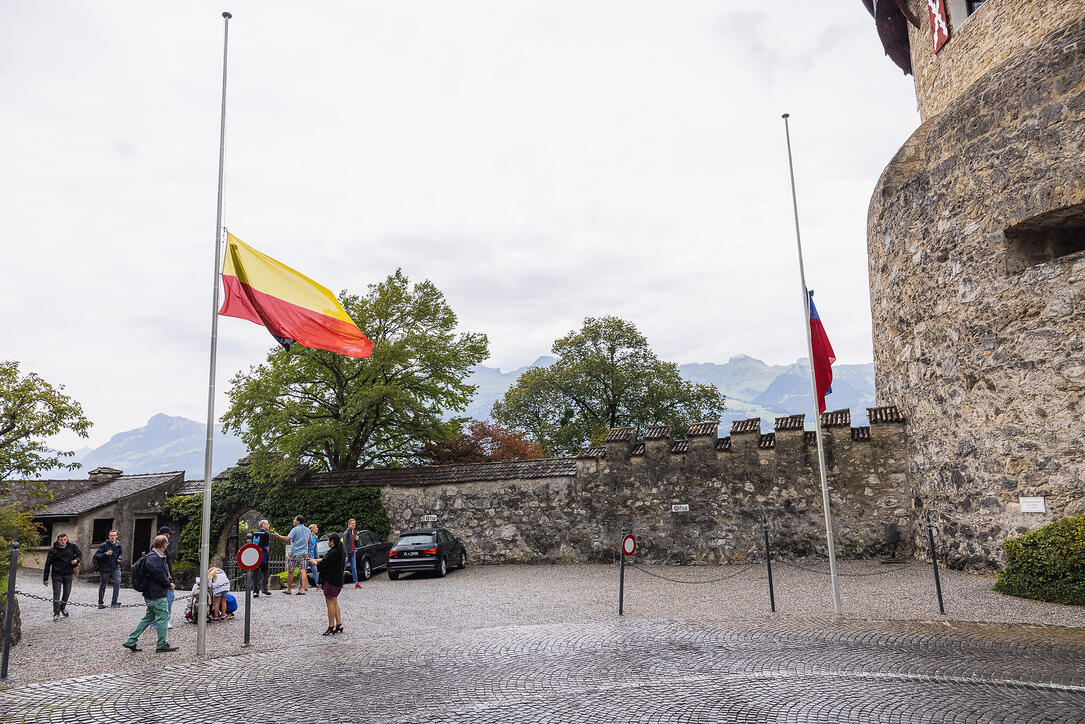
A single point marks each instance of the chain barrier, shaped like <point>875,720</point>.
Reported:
<point>638,567</point>
<point>50,599</point>
<point>893,569</point>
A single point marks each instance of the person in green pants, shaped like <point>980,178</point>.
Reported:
<point>159,582</point>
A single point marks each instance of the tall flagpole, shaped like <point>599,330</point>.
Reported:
<point>813,384</point>
<point>205,520</point>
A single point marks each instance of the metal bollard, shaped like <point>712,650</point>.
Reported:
<point>10,605</point>
<point>621,572</point>
<point>768,563</point>
<point>934,560</point>
<point>248,600</point>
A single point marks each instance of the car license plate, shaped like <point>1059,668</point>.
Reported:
<point>411,553</point>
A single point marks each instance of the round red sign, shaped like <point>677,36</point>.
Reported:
<point>629,545</point>
<point>250,556</point>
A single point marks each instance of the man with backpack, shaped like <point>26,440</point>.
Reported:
<point>107,561</point>
<point>262,538</point>
<point>151,577</point>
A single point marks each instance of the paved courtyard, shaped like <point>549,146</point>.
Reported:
<point>543,644</point>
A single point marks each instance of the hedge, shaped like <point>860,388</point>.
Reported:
<point>1047,564</point>
<point>279,501</point>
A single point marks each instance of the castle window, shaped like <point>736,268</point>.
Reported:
<point>1045,237</point>
<point>961,10</point>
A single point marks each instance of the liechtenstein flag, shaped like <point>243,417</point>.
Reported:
<point>823,354</point>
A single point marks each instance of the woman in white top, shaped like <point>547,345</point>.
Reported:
<point>220,586</point>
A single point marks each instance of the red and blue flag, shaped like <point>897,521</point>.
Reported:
<point>823,355</point>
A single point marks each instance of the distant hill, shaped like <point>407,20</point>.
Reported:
<point>164,443</point>
<point>492,384</point>
<point>753,389</point>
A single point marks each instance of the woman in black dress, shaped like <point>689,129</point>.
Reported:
<point>330,568</point>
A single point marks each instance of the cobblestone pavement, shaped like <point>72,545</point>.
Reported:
<point>543,643</point>
<point>789,670</point>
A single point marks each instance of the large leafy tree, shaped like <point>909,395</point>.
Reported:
<point>308,406</point>
<point>479,441</point>
<point>31,411</point>
<point>605,376</point>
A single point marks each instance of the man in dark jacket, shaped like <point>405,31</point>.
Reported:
<point>107,561</point>
<point>158,583</point>
<point>62,560</point>
<point>262,538</point>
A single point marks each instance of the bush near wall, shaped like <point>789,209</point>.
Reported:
<point>279,500</point>
<point>1047,564</point>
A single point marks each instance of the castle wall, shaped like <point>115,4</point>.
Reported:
<point>728,483</point>
<point>998,30</point>
<point>983,353</point>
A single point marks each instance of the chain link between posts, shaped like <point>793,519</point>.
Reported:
<point>50,599</point>
<point>894,567</point>
<point>641,569</point>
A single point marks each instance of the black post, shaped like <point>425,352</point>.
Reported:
<point>768,563</point>
<point>934,560</point>
<point>10,613</point>
<point>621,572</point>
<point>248,598</point>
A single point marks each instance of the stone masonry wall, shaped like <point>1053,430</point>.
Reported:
<point>728,483</point>
<point>982,354</point>
<point>998,30</point>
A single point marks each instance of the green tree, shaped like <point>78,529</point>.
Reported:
<point>308,406</point>
<point>605,376</point>
<point>31,411</point>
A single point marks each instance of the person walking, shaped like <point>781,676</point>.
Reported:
<point>171,593</point>
<point>107,561</point>
<point>350,542</point>
<point>331,571</point>
<point>313,530</point>
<point>262,538</point>
<point>297,555</point>
<point>61,560</point>
<point>158,581</point>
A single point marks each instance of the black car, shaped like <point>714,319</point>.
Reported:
<point>370,551</point>
<point>426,549</point>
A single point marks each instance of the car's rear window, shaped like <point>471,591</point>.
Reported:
<point>406,540</point>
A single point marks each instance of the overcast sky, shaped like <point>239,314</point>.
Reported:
<point>540,162</point>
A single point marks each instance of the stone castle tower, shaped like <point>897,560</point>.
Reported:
<point>976,242</point>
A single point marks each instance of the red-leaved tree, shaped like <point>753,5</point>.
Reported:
<point>479,441</point>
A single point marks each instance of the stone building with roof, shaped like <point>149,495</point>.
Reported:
<point>976,245</point>
<point>108,499</point>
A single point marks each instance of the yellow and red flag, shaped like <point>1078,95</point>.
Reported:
<point>292,306</point>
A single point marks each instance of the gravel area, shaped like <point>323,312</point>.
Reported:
<point>483,597</point>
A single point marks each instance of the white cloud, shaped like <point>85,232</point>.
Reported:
<point>539,161</point>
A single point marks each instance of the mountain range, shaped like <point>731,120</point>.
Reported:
<point>753,389</point>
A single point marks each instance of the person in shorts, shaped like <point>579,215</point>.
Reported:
<point>297,554</point>
<point>220,586</point>
<point>331,573</point>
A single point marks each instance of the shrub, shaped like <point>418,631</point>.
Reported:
<point>1047,564</point>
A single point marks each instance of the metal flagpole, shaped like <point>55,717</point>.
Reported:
<point>813,384</point>
<point>205,520</point>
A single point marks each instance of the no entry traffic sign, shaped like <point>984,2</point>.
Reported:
<point>249,557</point>
<point>629,545</point>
